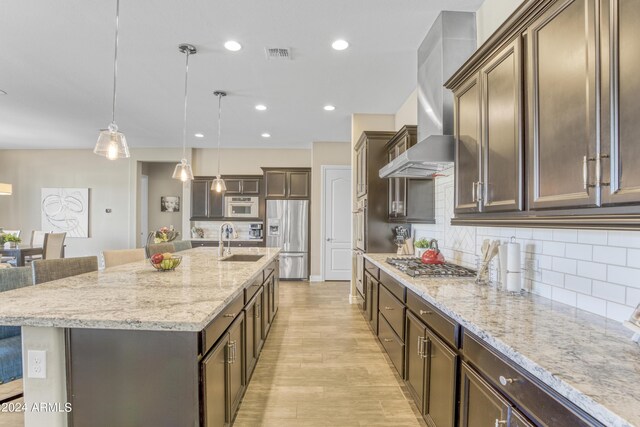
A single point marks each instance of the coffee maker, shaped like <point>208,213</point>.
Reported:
<point>255,231</point>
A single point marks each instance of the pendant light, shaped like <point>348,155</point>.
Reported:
<point>111,143</point>
<point>218,184</point>
<point>183,170</point>
<point>5,189</point>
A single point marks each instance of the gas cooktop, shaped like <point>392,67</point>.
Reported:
<point>415,268</point>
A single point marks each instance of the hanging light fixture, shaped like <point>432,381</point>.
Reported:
<point>111,143</point>
<point>183,170</point>
<point>218,184</point>
<point>5,189</point>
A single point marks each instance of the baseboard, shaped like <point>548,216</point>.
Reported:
<point>353,299</point>
<point>317,278</point>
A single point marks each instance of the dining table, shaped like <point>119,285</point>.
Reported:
<point>20,252</point>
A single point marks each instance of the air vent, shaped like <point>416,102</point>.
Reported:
<point>278,53</point>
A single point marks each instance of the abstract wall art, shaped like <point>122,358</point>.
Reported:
<point>66,210</point>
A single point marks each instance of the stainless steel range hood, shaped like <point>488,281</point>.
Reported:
<point>449,43</point>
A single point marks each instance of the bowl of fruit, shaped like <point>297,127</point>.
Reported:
<point>166,261</point>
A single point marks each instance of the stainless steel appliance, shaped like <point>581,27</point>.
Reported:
<point>255,231</point>
<point>241,207</point>
<point>415,268</point>
<point>288,229</point>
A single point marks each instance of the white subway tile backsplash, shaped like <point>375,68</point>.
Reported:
<point>593,237</point>
<point>565,265</point>
<point>578,251</point>
<point>524,233</point>
<point>609,255</point>
<point>564,296</point>
<point>542,234</point>
<point>553,278</point>
<point>608,291</point>
<point>565,236</point>
<point>592,270</point>
<point>618,312</point>
<point>541,289</point>
<point>624,239</point>
<point>578,284</point>
<point>553,248</point>
<point>633,258</point>
<point>624,276</point>
<point>633,297</point>
<point>591,304</point>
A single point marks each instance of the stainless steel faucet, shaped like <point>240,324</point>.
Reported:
<point>221,249</point>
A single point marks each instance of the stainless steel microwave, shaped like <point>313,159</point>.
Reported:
<point>241,207</point>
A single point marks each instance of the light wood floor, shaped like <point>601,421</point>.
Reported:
<point>322,366</point>
<point>13,419</point>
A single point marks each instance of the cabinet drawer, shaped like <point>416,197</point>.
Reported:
<point>371,268</point>
<point>216,328</point>
<point>440,323</point>
<point>545,406</point>
<point>392,310</point>
<point>393,286</point>
<point>392,344</point>
<point>269,270</point>
<point>251,290</point>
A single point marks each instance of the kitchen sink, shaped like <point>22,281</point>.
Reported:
<point>242,258</point>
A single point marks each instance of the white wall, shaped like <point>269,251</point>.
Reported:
<point>408,112</point>
<point>162,184</point>
<point>247,161</point>
<point>491,15</point>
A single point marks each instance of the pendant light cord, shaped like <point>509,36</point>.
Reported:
<point>115,64</point>
<point>219,128</point>
<point>184,128</point>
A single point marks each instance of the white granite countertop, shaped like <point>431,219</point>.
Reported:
<point>586,358</point>
<point>136,296</point>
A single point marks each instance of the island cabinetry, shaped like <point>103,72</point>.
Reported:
<point>371,288</point>
<point>391,320</point>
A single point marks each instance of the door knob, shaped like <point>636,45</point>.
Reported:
<point>328,239</point>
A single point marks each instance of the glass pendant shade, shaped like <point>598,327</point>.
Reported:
<point>5,189</point>
<point>183,171</point>
<point>112,144</point>
<point>218,185</point>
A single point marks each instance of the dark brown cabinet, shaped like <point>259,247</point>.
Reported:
<point>480,405</point>
<point>371,304</point>
<point>242,185</point>
<point>223,376</point>
<point>563,110</point>
<point>287,183</point>
<point>361,170</point>
<point>205,204</point>
<point>251,352</point>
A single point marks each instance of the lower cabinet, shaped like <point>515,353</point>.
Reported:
<point>371,306</point>
<point>480,405</point>
<point>223,378</point>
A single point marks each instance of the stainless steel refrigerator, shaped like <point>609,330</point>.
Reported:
<point>288,229</point>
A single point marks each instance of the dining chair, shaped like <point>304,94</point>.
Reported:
<point>182,245</point>
<point>37,241</point>
<point>159,248</point>
<point>46,270</point>
<point>53,245</point>
<point>122,256</point>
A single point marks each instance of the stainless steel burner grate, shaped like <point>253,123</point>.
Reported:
<point>415,268</point>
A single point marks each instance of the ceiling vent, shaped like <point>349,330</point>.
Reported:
<point>278,53</point>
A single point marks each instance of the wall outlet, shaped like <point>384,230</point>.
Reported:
<point>36,364</point>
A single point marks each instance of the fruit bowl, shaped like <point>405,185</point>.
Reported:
<point>167,263</point>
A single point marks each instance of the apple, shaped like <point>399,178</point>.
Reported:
<point>167,255</point>
<point>157,258</point>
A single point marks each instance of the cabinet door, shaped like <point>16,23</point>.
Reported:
<point>375,287</point>
<point>272,298</point>
<point>562,113</point>
<point>216,204</point>
<point>299,185</point>
<point>414,364</point>
<point>480,405</point>
<point>250,351</point>
<point>468,149</point>
<point>215,400</point>
<point>234,186</point>
<point>361,171</point>
<point>502,131</point>
<point>276,288</point>
<point>250,186</point>
<point>235,362</point>
<point>200,198</point>
<point>624,59</point>
<point>440,396</point>
<point>276,184</point>
<point>258,332</point>
<point>516,419</point>
<point>266,319</point>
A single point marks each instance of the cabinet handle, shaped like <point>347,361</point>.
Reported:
<point>229,353</point>
<point>388,308</point>
<point>585,179</point>
<point>423,312</point>
<point>232,352</point>
<point>500,423</point>
<point>230,315</point>
<point>387,340</point>
<point>473,191</point>
<point>479,189</point>
<point>426,351</point>
<point>506,381</point>
<point>257,311</point>
<point>419,346</point>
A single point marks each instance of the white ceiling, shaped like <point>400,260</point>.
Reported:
<point>56,64</point>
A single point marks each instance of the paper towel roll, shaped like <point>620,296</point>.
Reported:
<point>502,256</point>
<point>514,281</point>
<point>513,258</point>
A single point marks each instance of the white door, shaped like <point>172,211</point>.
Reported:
<point>336,217</point>
<point>144,210</point>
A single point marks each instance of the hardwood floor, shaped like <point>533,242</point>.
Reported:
<point>322,366</point>
<point>11,419</point>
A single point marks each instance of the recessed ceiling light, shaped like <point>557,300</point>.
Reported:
<point>232,45</point>
<point>329,108</point>
<point>2,92</point>
<point>340,44</point>
<point>261,107</point>
<point>266,135</point>
<point>199,135</point>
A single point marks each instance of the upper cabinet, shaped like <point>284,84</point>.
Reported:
<point>361,170</point>
<point>547,119</point>
<point>205,204</point>
<point>292,183</point>
<point>239,185</point>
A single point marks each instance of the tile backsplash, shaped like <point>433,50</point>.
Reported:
<point>597,271</point>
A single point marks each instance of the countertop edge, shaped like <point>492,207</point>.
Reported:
<point>584,402</point>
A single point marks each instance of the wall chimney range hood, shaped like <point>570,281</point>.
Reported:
<point>449,43</point>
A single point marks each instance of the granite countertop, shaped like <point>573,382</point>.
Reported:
<point>215,239</point>
<point>136,296</point>
<point>586,358</point>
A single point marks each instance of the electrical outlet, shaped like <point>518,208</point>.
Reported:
<point>37,364</point>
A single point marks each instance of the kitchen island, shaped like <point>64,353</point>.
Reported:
<point>132,346</point>
<point>586,359</point>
